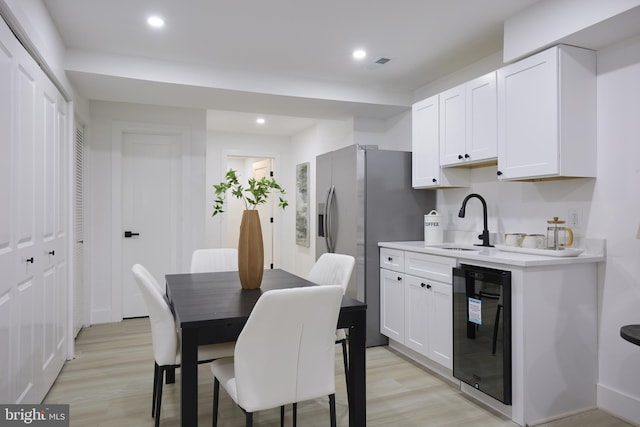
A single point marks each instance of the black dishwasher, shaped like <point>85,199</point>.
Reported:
<point>482,329</point>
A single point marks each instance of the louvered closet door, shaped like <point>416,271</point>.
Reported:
<point>78,290</point>
<point>33,299</point>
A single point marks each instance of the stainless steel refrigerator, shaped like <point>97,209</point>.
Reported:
<point>364,196</point>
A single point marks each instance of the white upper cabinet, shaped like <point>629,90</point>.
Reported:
<point>468,123</point>
<point>426,170</point>
<point>547,116</point>
<point>452,126</point>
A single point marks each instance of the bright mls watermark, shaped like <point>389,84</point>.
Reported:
<point>34,415</point>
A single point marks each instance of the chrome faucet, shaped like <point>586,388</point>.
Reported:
<point>485,233</point>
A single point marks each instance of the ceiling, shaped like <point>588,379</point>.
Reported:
<point>275,58</point>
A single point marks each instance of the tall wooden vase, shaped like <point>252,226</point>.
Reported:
<point>250,251</point>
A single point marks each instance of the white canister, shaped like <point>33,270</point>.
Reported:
<point>432,228</point>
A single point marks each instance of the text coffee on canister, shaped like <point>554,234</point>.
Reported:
<point>432,228</point>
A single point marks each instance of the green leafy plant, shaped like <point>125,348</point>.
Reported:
<point>256,193</point>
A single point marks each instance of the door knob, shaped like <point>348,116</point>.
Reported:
<point>130,234</point>
<point>30,260</point>
<point>52,253</point>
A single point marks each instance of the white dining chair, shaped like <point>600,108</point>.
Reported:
<point>165,339</point>
<point>284,354</point>
<point>212,260</point>
<point>141,270</point>
<point>335,269</point>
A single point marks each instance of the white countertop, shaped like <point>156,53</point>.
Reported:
<point>493,255</point>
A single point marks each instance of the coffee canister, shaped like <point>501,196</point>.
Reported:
<point>432,228</point>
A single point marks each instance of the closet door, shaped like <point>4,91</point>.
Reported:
<point>33,301</point>
<point>7,215</point>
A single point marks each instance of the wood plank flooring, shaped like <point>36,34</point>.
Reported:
<point>109,383</point>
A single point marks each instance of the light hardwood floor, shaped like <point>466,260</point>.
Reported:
<point>109,383</point>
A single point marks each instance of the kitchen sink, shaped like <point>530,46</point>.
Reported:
<point>457,247</point>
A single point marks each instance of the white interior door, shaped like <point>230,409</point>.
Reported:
<point>151,208</point>
<point>263,169</point>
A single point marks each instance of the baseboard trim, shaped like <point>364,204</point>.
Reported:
<point>619,404</point>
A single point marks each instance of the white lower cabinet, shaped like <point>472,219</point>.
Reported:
<point>392,298</point>
<point>416,309</point>
<point>428,319</point>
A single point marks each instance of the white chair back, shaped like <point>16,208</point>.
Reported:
<point>164,338</point>
<point>285,353</point>
<point>149,277</point>
<point>332,269</point>
<point>212,260</point>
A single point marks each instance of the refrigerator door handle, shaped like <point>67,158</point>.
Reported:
<point>328,218</point>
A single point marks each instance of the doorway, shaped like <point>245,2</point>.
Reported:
<point>256,168</point>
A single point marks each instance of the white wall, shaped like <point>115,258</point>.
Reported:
<point>615,214</point>
<point>99,189</point>
<point>550,22</point>
<point>32,18</point>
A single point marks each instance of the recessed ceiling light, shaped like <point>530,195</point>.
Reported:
<point>359,53</point>
<point>260,121</point>
<point>155,21</point>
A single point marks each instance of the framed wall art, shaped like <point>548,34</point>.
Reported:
<point>302,204</point>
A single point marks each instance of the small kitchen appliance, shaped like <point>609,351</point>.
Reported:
<point>558,235</point>
<point>482,329</point>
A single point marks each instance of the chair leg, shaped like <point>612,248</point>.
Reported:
<point>282,416</point>
<point>249,418</point>
<point>345,359</point>
<point>295,414</point>
<point>171,375</point>
<point>332,409</point>
<point>156,373</point>
<point>216,397</point>
<point>158,402</point>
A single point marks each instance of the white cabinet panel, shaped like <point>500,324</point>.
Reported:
<point>440,321</point>
<point>482,118</point>
<point>425,160</point>
<point>468,122</point>
<point>547,115</point>
<point>392,304</point>
<point>425,143</point>
<point>429,266</point>
<point>416,305</point>
<point>453,126</point>
<point>392,259</point>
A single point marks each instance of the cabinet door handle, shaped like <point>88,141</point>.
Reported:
<point>422,285</point>
<point>30,260</point>
<point>399,279</point>
<point>53,253</point>
<point>460,157</point>
<point>434,180</point>
<point>428,286</point>
<point>466,156</point>
<point>390,259</point>
<point>498,173</point>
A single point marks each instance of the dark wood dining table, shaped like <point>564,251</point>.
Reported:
<point>212,308</point>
